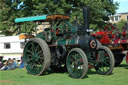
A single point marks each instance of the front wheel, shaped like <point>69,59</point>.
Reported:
<point>36,56</point>
<point>77,63</point>
<point>104,63</point>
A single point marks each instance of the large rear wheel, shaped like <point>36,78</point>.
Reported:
<point>36,56</point>
<point>104,61</point>
<point>77,63</point>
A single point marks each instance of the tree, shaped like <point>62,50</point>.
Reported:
<point>8,11</point>
<point>99,10</point>
<point>121,24</point>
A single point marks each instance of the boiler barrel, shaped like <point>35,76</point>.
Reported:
<point>84,42</point>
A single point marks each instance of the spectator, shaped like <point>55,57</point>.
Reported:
<point>14,62</point>
<point>9,65</point>
<point>1,62</point>
<point>21,63</point>
<point>5,67</point>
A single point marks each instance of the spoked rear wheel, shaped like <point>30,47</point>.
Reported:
<point>77,63</point>
<point>36,56</point>
<point>104,61</point>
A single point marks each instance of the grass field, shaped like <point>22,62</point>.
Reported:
<point>20,77</point>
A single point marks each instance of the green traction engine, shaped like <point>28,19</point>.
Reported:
<point>61,46</point>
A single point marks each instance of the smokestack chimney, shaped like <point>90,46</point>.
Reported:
<point>86,18</point>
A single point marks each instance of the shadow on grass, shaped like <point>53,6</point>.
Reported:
<point>65,72</point>
<point>123,65</point>
<point>21,76</point>
<point>86,76</point>
<point>48,72</point>
<point>91,72</point>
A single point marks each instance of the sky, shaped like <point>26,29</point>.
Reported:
<point>123,6</point>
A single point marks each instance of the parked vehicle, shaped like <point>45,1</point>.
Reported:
<point>11,47</point>
<point>127,59</point>
<point>62,46</point>
<point>115,40</point>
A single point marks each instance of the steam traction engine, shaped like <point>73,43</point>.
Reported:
<point>63,46</point>
<point>116,41</point>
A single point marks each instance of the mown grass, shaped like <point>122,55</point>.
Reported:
<point>20,77</point>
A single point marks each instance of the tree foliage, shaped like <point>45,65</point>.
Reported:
<point>99,10</point>
<point>8,12</point>
<point>121,24</point>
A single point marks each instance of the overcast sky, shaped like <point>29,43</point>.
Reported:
<point>123,6</point>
